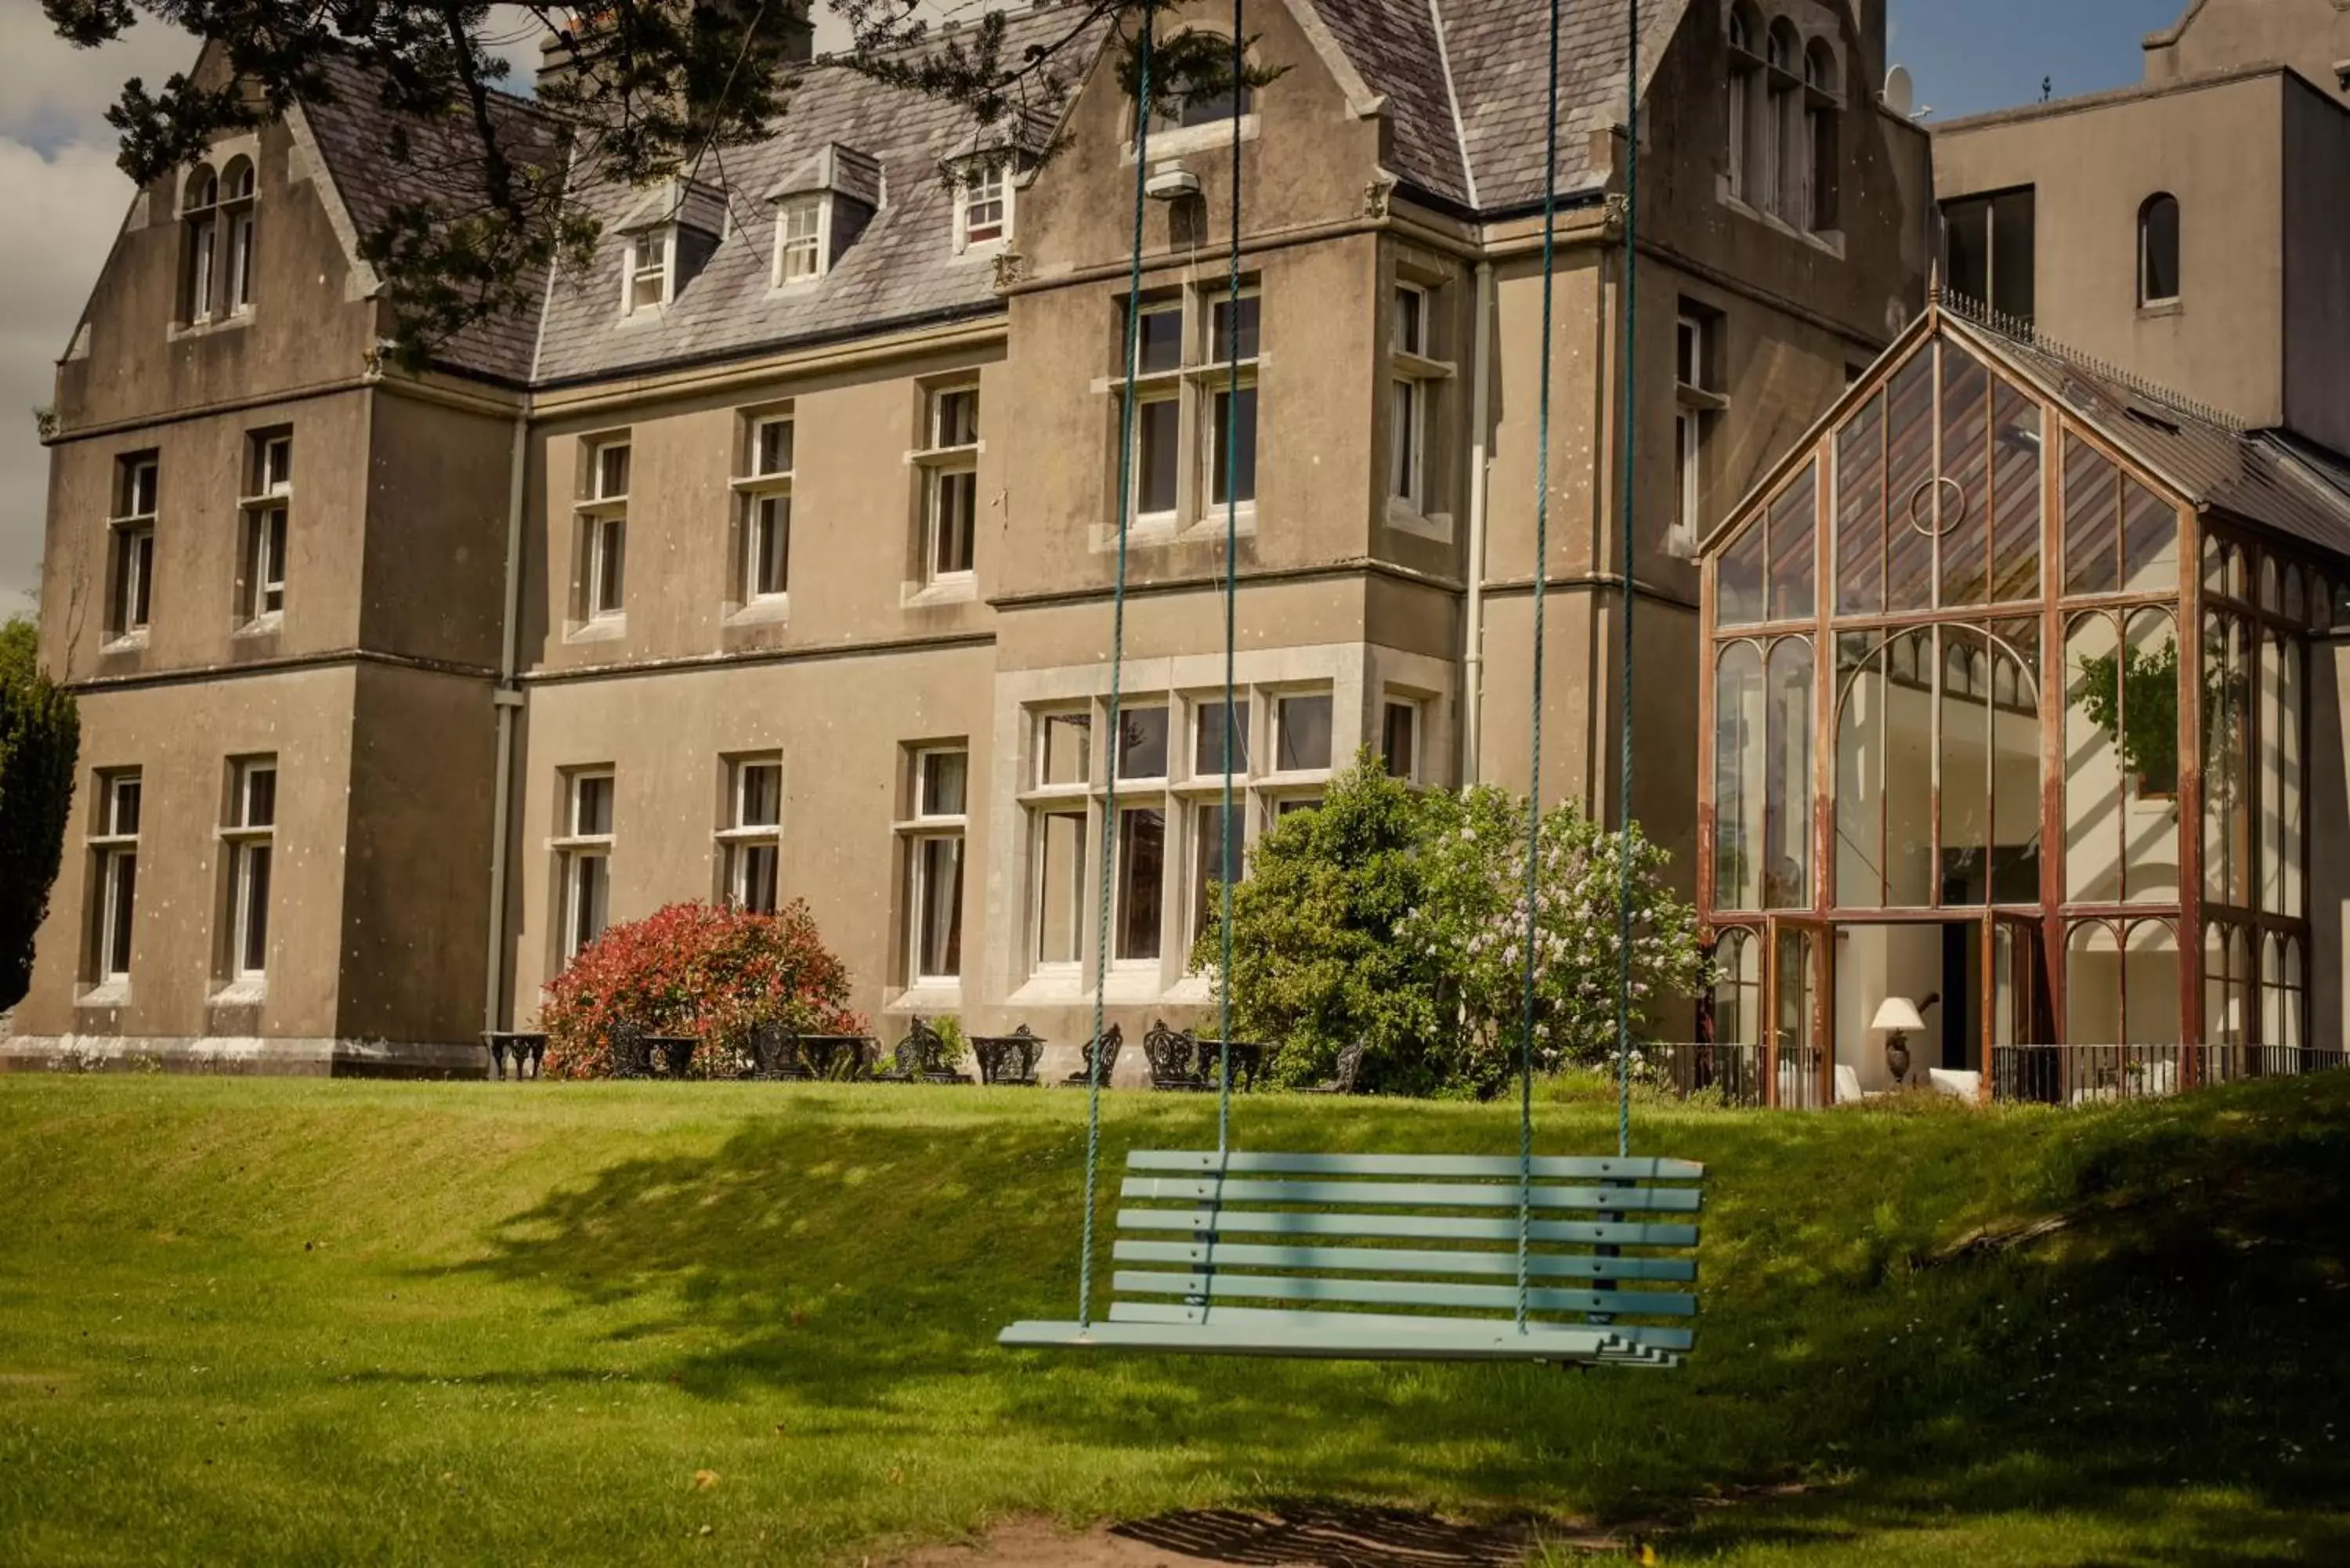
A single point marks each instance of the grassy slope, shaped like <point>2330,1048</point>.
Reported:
<point>286,1322</point>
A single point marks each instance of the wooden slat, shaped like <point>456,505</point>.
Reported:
<point>1409,1195</point>
<point>1405,1260</point>
<point>1399,1292</point>
<point>1411,1227</point>
<point>1650,1341</point>
<point>1327,1338</point>
<point>1504,1167</point>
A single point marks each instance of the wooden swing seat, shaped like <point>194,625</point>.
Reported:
<point>1316,1244</point>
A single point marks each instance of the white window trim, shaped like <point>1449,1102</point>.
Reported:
<point>261,562</point>
<point>1193,384</point>
<point>965,197</point>
<point>1416,765</point>
<point>932,464</point>
<point>821,203</point>
<point>592,513</point>
<point>756,487</point>
<point>124,529</point>
<point>631,266</point>
<point>571,849</point>
<point>735,837</point>
<point>112,848</point>
<point>239,838</point>
<point>920,827</point>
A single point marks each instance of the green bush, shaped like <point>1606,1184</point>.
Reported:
<point>1396,918</point>
<point>40,737</point>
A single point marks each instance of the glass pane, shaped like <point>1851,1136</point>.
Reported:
<point>773,546</point>
<point>2271,597</point>
<point>2226,771</point>
<point>2093,768</point>
<point>775,454</point>
<point>1208,730</point>
<point>1909,461</point>
<point>592,806</point>
<point>1399,740</point>
<point>1792,526</point>
<point>1787,814</point>
<point>956,499</point>
<point>2150,985</point>
<point>1796,1015</point>
<point>1909,770</point>
<point>1738,578</point>
<point>1737,989</point>
<point>2223,1020</point>
<point>2150,759</point>
<point>1738,743</point>
<point>1302,732</point>
<point>1962,503</point>
<point>2016,770</point>
<point>937,930</point>
<point>1966,249</point>
<point>1061,886</point>
<point>955,417</point>
<point>2149,541</point>
<point>2158,250</point>
<point>943,783</point>
<point>1233,476</point>
<point>2011,281</point>
<point>1158,440</point>
<point>1861,774</point>
<point>2296,603</point>
<point>260,801</point>
<point>2290,761</point>
<point>1159,346</point>
<point>1142,742</point>
<point>1064,748</point>
<point>2093,985</point>
<point>255,955</point>
<point>2015,496</point>
<point>1860,512</point>
<point>757,887</point>
<point>2091,539</point>
<point>762,795</point>
<point>1216,844</point>
<point>1141,854</point>
<point>1225,313</point>
<point>1965,777</point>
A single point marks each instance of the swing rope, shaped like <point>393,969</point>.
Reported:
<point>1116,671</point>
<point>1232,593</point>
<point>1624,515</point>
<point>1541,583</point>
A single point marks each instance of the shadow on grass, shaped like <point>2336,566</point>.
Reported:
<point>2164,1361</point>
<point>1291,1533</point>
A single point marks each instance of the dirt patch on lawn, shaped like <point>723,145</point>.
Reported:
<point>1299,1536</point>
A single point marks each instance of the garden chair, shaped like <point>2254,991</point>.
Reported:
<point>1109,1040</point>
<point>1350,1063</point>
<point>627,1048</point>
<point>775,1051</point>
<point>1174,1058</point>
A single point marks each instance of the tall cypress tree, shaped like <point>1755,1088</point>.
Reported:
<point>40,736</point>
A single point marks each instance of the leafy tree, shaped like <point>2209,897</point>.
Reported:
<point>40,737</point>
<point>1397,918</point>
<point>655,88</point>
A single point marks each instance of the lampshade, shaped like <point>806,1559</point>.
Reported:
<point>1897,1013</point>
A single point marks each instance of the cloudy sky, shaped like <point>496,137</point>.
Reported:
<point>64,199</point>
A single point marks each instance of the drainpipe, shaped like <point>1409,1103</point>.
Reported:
<point>506,699</point>
<point>1472,655</point>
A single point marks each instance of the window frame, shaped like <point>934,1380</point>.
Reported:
<point>760,488</point>
<point>114,852</point>
<point>1193,383</point>
<point>265,511</point>
<point>978,178</point>
<point>816,207</point>
<point>2146,298</point>
<point>636,270</point>
<point>132,535</point>
<point>248,844</point>
<point>740,839</point>
<point>575,848</point>
<point>1415,708</point>
<point>921,829</point>
<point>603,520</point>
<point>941,467</point>
<point>236,205</point>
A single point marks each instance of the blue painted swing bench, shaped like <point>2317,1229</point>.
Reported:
<point>1282,1254</point>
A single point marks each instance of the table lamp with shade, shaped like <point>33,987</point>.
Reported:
<point>1899,1017</point>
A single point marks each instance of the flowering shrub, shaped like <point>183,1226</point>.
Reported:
<point>1397,918</point>
<point>697,968</point>
<point>1471,928</point>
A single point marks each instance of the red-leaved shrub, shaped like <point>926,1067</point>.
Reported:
<point>697,968</point>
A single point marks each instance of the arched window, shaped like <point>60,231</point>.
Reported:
<point>200,228</point>
<point>236,218</point>
<point>1820,103</point>
<point>2157,250</point>
<point>1745,40</point>
<point>1789,190</point>
<point>1198,54</point>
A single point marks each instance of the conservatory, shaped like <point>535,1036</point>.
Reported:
<point>2016,671</point>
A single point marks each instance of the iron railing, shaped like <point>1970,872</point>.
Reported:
<point>2092,1075</point>
<point>1788,1076</point>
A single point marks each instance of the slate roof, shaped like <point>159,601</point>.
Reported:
<point>1462,84</point>
<point>375,156</point>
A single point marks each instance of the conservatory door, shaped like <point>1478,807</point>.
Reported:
<point>1798,1059</point>
<point>2016,1017</point>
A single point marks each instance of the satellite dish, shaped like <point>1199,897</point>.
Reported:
<point>1900,91</point>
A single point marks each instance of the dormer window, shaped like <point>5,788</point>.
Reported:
<point>647,264</point>
<point>799,239</point>
<point>984,208</point>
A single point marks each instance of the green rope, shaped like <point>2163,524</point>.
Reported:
<point>1116,663</point>
<point>1541,580</point>
<point>1231,596</point>
<point>1624,762</point>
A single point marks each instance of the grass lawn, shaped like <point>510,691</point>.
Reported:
<point>265,1321</point>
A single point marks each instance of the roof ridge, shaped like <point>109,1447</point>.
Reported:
<point>1968,308</point>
